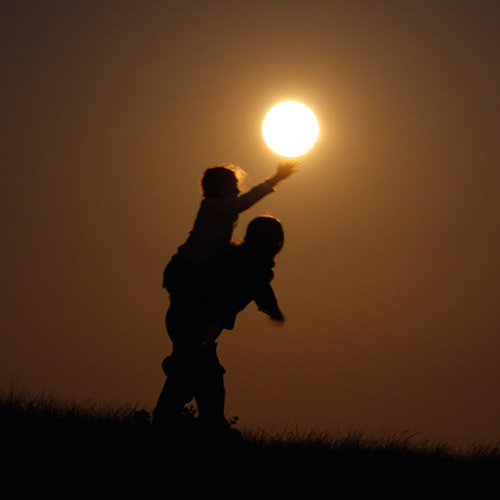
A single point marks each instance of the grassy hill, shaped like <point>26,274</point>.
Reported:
<point>53,449</point>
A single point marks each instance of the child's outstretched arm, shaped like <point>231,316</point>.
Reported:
<point>285,169</point>
<point>246,200</point>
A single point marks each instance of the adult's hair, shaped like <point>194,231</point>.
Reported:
<point>265,235</point>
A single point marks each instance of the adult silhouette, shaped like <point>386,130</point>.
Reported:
<point>193,369</point>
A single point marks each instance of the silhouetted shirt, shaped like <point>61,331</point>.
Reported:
<point>247,277</point>
<point>215,222</point>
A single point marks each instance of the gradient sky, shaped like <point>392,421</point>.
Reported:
<point>390,274</point>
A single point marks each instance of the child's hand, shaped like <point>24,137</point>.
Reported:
<point>285,169</point>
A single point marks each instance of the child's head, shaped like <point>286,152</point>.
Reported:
<point>265,235</point>
<point>221,180</point>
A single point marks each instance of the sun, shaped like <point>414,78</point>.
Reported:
<point>290,129</point>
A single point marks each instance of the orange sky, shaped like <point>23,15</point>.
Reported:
<point>390,276</point>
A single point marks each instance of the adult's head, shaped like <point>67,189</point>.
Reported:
<point>265,235</point>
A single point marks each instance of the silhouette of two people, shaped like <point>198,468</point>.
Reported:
<point>209,281</point>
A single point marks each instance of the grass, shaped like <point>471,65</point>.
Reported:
<point>80,450</point>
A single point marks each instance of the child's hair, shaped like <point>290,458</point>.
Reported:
<point>265,234</point>
<point>220,179</point>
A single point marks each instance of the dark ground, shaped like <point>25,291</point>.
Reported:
<point>52,451</point>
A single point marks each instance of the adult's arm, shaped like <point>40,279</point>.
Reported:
<point>267,303</point>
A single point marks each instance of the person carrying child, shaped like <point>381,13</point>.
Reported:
<point>193,369</point>
<point>191,273</point>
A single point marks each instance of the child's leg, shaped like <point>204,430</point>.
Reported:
<point>211,332</point>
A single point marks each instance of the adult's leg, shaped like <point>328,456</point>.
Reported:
<point>178,390</point>
<point>209,389</point>
<point>193,369</point>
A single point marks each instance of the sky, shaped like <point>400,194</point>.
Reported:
<point>389,278</point>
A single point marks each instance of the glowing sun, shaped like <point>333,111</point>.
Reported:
<point>290,128</point>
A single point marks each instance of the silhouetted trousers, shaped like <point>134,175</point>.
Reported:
<point>192,373</point>
<point>193,369</point>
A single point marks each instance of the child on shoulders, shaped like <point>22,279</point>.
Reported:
<point>211,235</point>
